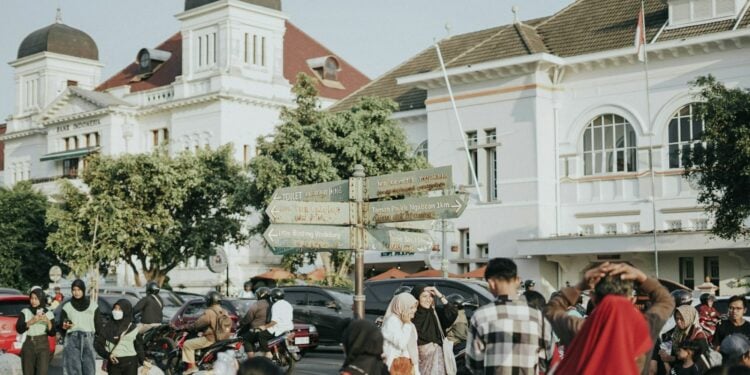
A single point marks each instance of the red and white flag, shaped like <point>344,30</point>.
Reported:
<point>640,36</point>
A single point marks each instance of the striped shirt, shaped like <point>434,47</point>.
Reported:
<point>508,337</point>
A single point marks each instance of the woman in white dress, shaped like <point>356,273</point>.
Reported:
<point>400,336</point>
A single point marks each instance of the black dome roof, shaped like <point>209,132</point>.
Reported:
<point>273,4</point>
<point>62,39</point>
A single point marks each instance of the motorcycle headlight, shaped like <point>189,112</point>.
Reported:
<point>313,329</point>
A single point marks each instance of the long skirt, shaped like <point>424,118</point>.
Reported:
<point>431,359</point>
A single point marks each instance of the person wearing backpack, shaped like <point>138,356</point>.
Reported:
<point>215,324</point>
<point>120,342</point>
<point>150,307</point>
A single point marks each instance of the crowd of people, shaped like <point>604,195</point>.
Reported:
<point>522,333</point>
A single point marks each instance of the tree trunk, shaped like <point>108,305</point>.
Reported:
<point>157,275</point>
<point>136,274</point>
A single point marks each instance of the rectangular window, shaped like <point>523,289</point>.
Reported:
<point>263,51</point>
<point>465,241</point>
<point>609,228</point>
<point>155,137</point>
<point>700,224</point>
<point>687,276</point>
<point>491,167</point>
<point>255,49</point>
<point>247,45</point>
<point>674,224</point>
<point>586,230</point>
<point>200,51</point>
<point>634,227</point>
<point>213,49</point>
<point>70,168</point>
<point>472,141</point>
<point>711,269</point>
<point>484,249</point>
<point>246,154</point>
<point>71,83</point>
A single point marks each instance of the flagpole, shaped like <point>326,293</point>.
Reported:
<point>650,140</point>
<point>472,167</point>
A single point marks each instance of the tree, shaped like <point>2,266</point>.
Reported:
<point>25,260</point>
<point>722,168</point>
<point>312,146</point>
<point>152,211</point>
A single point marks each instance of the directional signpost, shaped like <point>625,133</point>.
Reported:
<point>343,215</point>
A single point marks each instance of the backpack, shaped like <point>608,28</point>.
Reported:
<point>223,328</point>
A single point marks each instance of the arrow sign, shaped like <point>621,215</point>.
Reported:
<point>285,238</point>
<point>409,182</point>
<point>386,239</point>
<point>331,213</point>
<point>334,191</point>
<point>412,209</point>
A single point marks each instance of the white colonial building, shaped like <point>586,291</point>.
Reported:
<point>222,78</point>
<point>560,129</point>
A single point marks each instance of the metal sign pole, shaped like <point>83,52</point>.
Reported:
<point>356,184</point>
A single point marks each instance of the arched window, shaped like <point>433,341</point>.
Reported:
<point>421,150</point>
<point>685,133</point>
<point>609,146</point>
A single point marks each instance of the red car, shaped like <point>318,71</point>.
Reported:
<point>10,310</point>
<point>306,336</point>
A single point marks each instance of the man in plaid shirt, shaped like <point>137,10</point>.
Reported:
<point>507,336</point>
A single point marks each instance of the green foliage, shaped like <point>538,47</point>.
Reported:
<point>722,169</point>
<point>156,209</point>
<point>312,146</point>
<point>25,260</point>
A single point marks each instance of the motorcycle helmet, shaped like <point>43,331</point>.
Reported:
<point>705,297</point>
<point>456,300</point>
<point>213,298</point>
<point>277,294</point>
<point>682,297</point>
<point>263,293</point>
<point>152,288</point>
<point>528,284</point>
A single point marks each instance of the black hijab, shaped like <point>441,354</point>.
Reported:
<point>363,345</point>
<point>425,321</point>
<point>80,304</point>
<point>115,328</point>
<point>39,293</point>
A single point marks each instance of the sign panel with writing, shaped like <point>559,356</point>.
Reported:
<point>409,182</point>
<point>331,213</point>
<point>334,191</point>
<point>285,238</point>
<point>388,239</point>
<point>412,209</point>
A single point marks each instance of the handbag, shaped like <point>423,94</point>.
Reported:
<point>448,358</point>
<point>402,366</point>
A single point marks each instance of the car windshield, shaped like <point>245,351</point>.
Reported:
<point>242,305</point>
<point>345,297</point>
<point>169,299</point>
<point>12,308</point>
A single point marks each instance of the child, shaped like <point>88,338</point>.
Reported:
<point>687,353</point>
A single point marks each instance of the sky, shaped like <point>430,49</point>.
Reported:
<point>372,35</point>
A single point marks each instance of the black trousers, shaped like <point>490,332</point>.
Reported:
<point>35,355</point>
<point>124,366</point>
<point>261,338</point>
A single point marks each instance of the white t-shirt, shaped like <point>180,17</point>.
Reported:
<point>281,313</point>
<point>247,294</point>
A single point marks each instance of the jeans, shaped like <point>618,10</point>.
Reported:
<point>78,354</point>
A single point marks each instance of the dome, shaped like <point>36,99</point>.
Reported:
<point>273,4</point>
<point>62,39</point>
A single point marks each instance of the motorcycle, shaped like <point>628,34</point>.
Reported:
<point>283,351</point>
<point>205,357</point>
<point>158,344</point>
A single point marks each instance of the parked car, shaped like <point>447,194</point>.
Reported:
<point>305,335</point>
<point>10,291</point>
<point>328,309</point>
<point>171,301</point>
<point>378,294</point>
<point>10,310</point>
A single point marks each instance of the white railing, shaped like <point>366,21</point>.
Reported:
<point>159,96</point>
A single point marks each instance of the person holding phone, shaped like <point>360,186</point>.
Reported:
<point>80,320</point>
<point>37,322</point>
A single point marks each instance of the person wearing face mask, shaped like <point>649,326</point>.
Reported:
<point>80,319</point>
<point>37,322</point>
<point>400,335</point>
<point>120,341</point>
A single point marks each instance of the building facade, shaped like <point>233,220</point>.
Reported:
<point>222,78</point>
<point>576,143</point>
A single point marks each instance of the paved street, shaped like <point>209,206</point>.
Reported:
<point>325,360</point>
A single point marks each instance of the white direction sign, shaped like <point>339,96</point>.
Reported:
<point>330,213</point>
<point>334,191</point>
<point>412,209</point>
<point>284,238</point>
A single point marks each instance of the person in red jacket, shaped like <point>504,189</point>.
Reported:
<point>708,316</point>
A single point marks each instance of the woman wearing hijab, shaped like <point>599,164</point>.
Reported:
<point>431,323</point>
<point>37,322</point>
<point>687,329</point>
<point>363,347</point>
<point>79,321</point>
<point>399,334</point>
<point>613,339</point>
<point>120,341</point>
